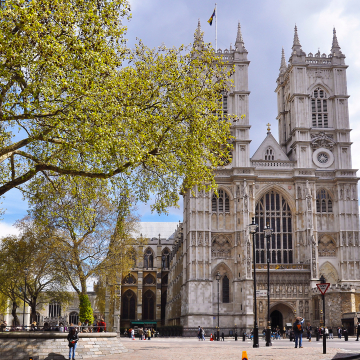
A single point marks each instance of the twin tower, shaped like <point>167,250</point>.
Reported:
<point>303,185</point>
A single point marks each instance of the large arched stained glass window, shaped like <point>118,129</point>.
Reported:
<point>273,209</point>
<point>128,305</point>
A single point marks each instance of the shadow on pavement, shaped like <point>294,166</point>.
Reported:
<point>53,356</point>
<point>346,356</point>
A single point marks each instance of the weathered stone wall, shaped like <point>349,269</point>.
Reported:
<point>54,346</point>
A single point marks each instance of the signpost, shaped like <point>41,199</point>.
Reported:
<point>323,286</point>
<point>261,293</point>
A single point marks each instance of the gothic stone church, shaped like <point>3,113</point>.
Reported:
<point>303,186</point>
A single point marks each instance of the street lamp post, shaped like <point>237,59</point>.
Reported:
<point>323,281</point>
<point>218,325</point>
<point>268,233</point>
<point>26,272</point>
<point>253,229</point>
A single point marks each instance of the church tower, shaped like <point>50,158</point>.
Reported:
<point>303,187</point>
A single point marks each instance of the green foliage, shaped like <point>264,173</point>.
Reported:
<point>86,312</point>
<point>88,106</point>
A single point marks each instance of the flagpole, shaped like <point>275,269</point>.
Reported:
<point>216,16</point>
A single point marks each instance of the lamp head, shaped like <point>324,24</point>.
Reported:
<point>268,230</point>
<point>253,227</point>
<point>322,279</point>
<point>218,276</point>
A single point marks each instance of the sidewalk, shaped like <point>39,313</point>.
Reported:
<point>189,348</point>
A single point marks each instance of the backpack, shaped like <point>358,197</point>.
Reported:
<point>298,327</point>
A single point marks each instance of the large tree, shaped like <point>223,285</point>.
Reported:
<point>75,101</point>
<point>30,255</point>
<point>89,229</point>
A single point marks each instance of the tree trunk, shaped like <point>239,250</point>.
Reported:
<point>16,321</point>
<point>33,309</point>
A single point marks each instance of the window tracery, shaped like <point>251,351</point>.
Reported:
<point>222,203</point>
<point>225,289</point>
<point>149,280</point>
<point>165,259</point>
<point>221,247</point>
<point>274,210</point>
<point>148,259</point>
<point>129,280</point>
<point>128,301</point>
<point>323,202</point>
<point>319,109</point>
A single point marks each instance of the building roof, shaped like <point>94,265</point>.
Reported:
<point>153,229</point>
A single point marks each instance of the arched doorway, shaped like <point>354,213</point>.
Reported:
<point>276,319</point>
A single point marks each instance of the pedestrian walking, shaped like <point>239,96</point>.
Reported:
<point>72,338</point>
<point>357,331</point>
<point>308,331</point>
<point>298,330</point>
<point>132,334</point>
<point>140,332</point>
<point>339,332</point>
<point>199,333</point>
<point>203,334</point>
<point>331,333</point>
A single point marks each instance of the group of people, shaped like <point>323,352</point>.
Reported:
<point>201,334</point>
<point>143,333</point>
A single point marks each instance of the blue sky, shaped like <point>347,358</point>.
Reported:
<point>267,26</point>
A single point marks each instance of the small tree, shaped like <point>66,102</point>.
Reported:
<point>86,312</point>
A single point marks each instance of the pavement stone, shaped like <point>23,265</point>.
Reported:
<point>191,349</point>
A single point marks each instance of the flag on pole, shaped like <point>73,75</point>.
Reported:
<point>211,18</point>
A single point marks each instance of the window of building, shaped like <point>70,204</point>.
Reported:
<point>165,259</point>
<point>316,309</point>
<point>274,210</point>
<point>319,110</point>
<point>221,203</point>
<point>149,280</point>
<point>148,305</point>
<point>323,202</point>
<point>128,301</point>
<point>148,259</point>
<point>129,280</point>
<point>74,318</point>
<point>225,289</point>
<point>54,309</point>
<point>269,154</point>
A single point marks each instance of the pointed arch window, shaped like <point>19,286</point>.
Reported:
<point>165,259</point>
<point>128,305</point>
<point>129,280</point>
<point>323,202</point>
<point>148,305</point>
<point>319,109</point>
<point>269,154</point>
<point>148,259</point>
<point>225,289</point>
<point>274,210</point>
<point>222,203</point>
<point>149,280</point>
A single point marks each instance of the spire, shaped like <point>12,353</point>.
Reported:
<point>239,43</point>
<point>335,48</point>
<point>198,36</point>
<point>297,53</point>
<point>296,38</point>
<point>283,62</point>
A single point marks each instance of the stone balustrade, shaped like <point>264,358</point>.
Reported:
<point>54,345</point>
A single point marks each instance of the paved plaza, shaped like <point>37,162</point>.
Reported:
<point>191,348</point>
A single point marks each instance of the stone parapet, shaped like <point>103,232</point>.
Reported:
<point>54,346</point>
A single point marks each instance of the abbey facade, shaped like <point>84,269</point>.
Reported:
<point>303,186</point>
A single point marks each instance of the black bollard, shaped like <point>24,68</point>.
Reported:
<point>244,336</point>
<point>317,336</point>
<point>235,336</point>
<point>346,335</point>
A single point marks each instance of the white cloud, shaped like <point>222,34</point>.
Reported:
<point>7,229</point>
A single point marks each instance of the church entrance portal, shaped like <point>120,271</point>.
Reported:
<point>276,320</point>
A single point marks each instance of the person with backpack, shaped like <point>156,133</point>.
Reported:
<point>298,330</point>
<point>72,338</point>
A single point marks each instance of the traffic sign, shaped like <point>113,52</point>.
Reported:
<point>323,287</point>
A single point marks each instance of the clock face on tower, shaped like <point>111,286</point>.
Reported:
<point>323,157</point>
